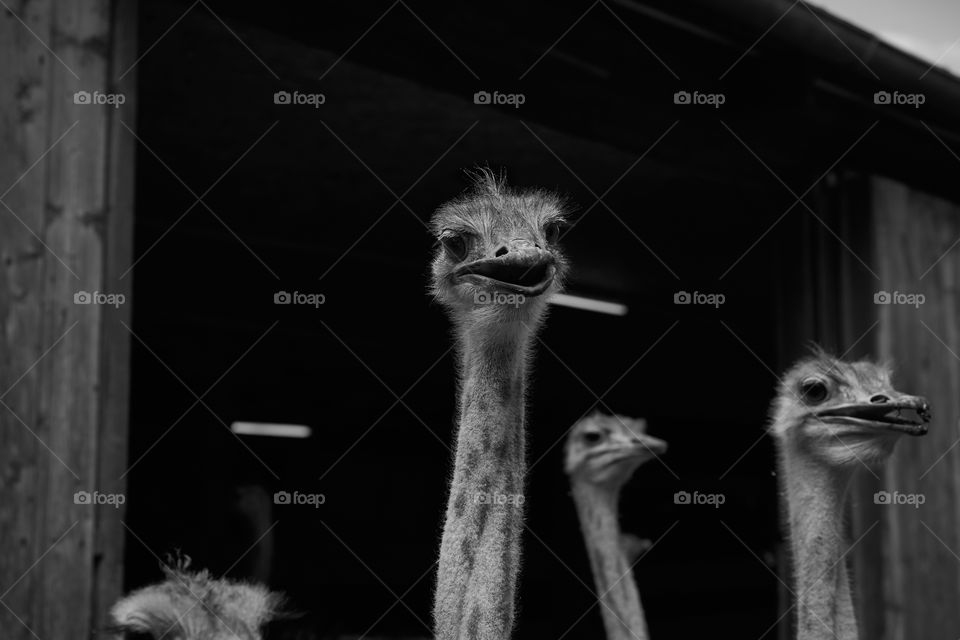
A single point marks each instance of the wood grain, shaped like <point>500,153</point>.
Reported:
<point>68,229</point>
<point>914,234</point>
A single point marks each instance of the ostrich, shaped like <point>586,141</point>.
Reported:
<point>496,264</point>
<point>602,452</point>
<point>194,606</point>
<point>829,417</point>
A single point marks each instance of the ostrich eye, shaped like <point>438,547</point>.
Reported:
<point>591,437</point>
<point>455,245</point>
<point>814,391</point>
<point>552,232</point>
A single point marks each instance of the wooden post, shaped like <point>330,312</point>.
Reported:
<point>66,187</point>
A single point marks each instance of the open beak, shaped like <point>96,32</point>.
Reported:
<point>529,273</point>
<point>907,414</point>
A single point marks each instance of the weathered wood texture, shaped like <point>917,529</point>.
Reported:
<point>914,237</point>
<point>66,181</point>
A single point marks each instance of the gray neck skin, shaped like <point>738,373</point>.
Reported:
<point>620,606</point>
<point>480,549</point>
<point>815,495</point>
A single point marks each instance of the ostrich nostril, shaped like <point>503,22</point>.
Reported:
<point>879,399</point>
<point>502,251</point>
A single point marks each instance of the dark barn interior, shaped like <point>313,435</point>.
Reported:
<point>773,200</point>
<point>335,199</point>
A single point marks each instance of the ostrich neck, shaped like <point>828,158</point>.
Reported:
<point>480,548</point>
<point>815,496</point>
<point>620,607</point>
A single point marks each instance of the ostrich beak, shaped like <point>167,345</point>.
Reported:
<point>529,272</point>
<point>639,446</point>
<point>907,414</point>
<point>648,444</point>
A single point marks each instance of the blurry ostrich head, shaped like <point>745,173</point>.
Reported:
<point>194,606</point>
<point>843,413</point>
<point>497,257</point>
<point>606,450</point>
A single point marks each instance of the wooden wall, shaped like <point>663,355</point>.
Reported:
<point>915,239</point>
<point>66,186</point>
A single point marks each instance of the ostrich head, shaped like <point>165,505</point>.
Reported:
<point>844,413</point>
<point>606,450</point>
<point>194,606</point>
<point>497,257</point>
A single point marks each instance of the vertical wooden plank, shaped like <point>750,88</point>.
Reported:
<point>69,378</point>
<point>922,574</point>
<point>110,535</point>
<point>24,128</point>
<point>73,235</point>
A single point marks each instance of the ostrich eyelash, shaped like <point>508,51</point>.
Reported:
<point>446,233</point>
